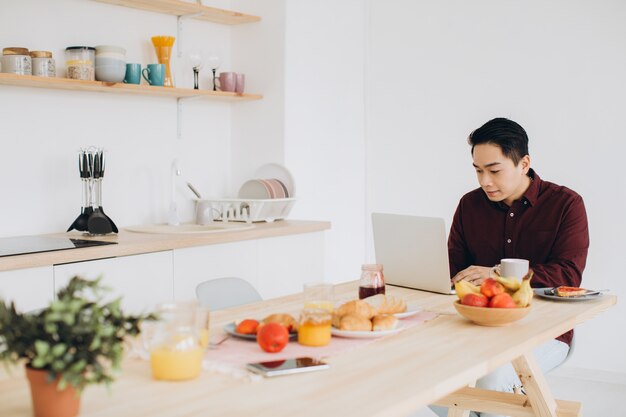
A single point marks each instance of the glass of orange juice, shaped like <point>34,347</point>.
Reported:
<point>318,295</point>
<point>202,323</point>
<point>175,350</point>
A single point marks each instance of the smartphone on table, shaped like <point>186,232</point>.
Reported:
<point>287,366</point>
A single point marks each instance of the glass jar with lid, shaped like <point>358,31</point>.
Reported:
<point>372,280</point>
<point>43,64</point>
<point>16,60</point>
<point>79,61</point>
<point>314,327</point>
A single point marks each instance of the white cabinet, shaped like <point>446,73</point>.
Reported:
<point>142,280</point>
<point>274,266</point>
<point>31,288</point>
<point>195,265</point>
<point>285,263</point>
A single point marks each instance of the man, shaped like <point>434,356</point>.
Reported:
<point>515,214</point>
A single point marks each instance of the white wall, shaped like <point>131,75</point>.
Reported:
<point>258,50</point>
<point>311,118</point>
<point>324,124</point>
<point>555,67</point>
<point>42,130</point>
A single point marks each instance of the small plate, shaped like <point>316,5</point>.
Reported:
<point>364,335</point>
<point>279,172</point>
<point>411,310</point>
<point>540,292</point>
<point>230,329</point>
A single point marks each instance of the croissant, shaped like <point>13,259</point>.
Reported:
<point>285,319</point>
<point>355,322</point>
<point>386,304</point>
<point>357,307</point>
<point>384,322</point>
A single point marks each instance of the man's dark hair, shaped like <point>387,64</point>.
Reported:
<point>506,134</point>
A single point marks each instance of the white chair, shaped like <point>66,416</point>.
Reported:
<point>220,293</point>
<point>570,352</point>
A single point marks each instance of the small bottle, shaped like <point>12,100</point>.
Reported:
<point>372,280</point>
<point>43,64</point>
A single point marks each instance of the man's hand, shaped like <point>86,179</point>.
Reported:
<point>474,274</point>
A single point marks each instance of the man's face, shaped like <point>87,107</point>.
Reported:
<point>498,176</point>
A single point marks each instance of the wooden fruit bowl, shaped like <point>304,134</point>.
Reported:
<point>493,317</point>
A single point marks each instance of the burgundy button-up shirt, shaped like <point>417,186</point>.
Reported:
<point>547,226</point>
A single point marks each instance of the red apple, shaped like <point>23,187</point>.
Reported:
<point>475,300</point>
<point>503,300</point>
<point>490,288</point>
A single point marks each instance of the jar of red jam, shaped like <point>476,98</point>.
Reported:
<point>372,280</point>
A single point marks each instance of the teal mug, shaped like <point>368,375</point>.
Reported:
<point>155,74</point>
<point>133,74</point>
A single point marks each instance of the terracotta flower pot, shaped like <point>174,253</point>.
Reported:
<point>47,400</point>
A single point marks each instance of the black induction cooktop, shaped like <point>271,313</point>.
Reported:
<point>24,245</point>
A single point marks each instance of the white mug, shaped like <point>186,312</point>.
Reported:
<point>517,268</point>
<point>205,212</point>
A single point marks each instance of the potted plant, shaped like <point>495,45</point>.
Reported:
<point>76,341</point>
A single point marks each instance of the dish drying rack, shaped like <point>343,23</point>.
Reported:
<point>249,210</point>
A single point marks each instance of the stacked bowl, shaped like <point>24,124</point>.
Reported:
<point>110,63</point>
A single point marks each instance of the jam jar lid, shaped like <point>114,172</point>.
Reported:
<point>15,51</point>
<point>372,267</point>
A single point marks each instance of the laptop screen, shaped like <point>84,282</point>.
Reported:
<point>413,251</point>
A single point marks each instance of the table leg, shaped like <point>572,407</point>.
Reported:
<point>535,385</point>
<point>459,412</point>
<point>538,401</point>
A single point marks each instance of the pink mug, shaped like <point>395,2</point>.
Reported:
<point>228,81</point>
<point>241,82</point>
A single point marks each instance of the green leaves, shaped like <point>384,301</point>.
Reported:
<point>41,348</point>
<point>73,337</point>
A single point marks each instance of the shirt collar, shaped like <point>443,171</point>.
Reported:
<point>532,193</point>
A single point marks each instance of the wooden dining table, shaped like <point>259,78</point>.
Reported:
<point>436,362</point>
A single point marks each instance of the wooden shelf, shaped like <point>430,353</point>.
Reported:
<point>119,88</point>
<point>182,8</point>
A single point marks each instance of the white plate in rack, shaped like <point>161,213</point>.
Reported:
<point>280,173</point>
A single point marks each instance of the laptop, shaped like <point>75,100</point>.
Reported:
<point>413,251</point>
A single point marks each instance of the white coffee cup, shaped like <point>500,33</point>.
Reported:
<point>511,267</point>
<point>205,212</point>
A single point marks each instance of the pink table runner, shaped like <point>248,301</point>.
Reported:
<point>236,353</point>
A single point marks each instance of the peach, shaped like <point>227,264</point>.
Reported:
<point>475,300</point>
<point>503,300</point>
<point>490,288</point>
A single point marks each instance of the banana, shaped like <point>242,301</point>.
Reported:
<point>511,284</point>
<point>463,288</point>
<point>524,295</point>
